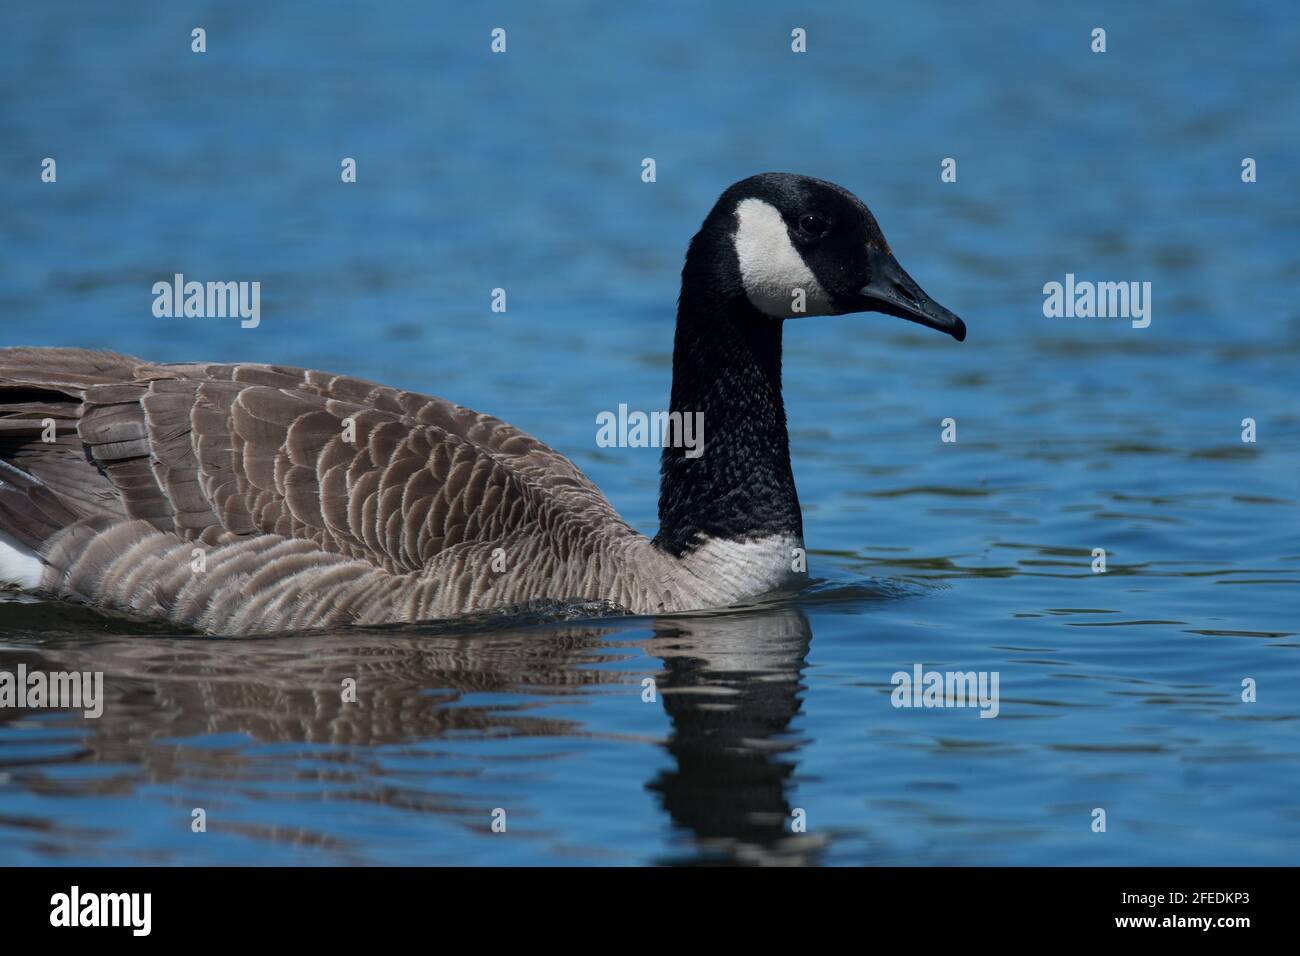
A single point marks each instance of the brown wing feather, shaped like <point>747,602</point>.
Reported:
<point>213,451</point>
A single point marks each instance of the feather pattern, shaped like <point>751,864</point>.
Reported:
<point>244,498</point>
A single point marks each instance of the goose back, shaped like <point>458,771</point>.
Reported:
<point>238,497</point>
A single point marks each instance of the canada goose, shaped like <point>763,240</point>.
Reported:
<point>248,498</point>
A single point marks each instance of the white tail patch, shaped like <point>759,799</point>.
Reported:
<point>771,268</point>
<point>19,564</point>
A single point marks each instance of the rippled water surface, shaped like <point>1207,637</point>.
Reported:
<point>1119,690</point>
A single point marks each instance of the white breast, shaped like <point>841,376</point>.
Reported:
<point>19,564</point>
<point>729,572</point>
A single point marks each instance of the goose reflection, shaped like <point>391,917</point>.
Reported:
<point>730,685</point>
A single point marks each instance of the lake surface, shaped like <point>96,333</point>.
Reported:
<point>771,736</point>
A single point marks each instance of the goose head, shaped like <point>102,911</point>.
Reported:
<point>793,246</point>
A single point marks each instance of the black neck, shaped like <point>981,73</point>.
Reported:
<point>727,365</point>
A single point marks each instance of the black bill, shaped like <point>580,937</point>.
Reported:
<point>894,292</point>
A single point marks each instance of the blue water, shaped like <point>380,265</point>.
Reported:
<point>1119,690</point>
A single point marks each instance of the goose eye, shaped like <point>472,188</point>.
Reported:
<point>812,225</point>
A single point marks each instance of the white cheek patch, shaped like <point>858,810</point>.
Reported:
<point>771,269</point>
